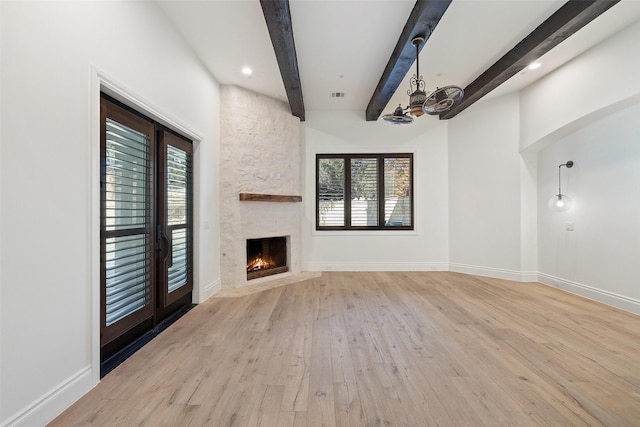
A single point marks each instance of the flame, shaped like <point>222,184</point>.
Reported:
<point>258,264</point>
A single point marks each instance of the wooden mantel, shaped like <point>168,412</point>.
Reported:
<point>255,197</point>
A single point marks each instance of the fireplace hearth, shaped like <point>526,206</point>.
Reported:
<point>266,257</point>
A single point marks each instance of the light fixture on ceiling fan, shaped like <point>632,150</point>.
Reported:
<point>438,101</point>
<point>399,117</point>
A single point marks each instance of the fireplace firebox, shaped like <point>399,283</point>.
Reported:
<point>266,257</point>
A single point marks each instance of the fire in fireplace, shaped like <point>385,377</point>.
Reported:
<point>266,257</point>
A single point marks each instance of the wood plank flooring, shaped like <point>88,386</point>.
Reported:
<point>381,349</point>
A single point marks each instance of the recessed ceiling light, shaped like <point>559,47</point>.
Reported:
<point>247,71</point>
<point>535,66</point>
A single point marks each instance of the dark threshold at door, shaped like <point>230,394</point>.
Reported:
<point>146,335</point>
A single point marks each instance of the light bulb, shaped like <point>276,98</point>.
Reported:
<point>560,203</point>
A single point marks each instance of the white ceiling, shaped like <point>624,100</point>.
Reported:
<point>344,45</point>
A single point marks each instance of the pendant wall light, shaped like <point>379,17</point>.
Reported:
<point>561,202</point>
<point>438,101</point>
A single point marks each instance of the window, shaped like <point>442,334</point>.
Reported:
<point>364,191</point>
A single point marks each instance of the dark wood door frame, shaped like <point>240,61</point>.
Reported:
<point>160,307</point>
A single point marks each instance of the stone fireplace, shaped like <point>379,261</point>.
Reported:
<point>260,182</point>
<point>266,257</point>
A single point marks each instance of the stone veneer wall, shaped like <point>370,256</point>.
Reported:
<point>260,153</point>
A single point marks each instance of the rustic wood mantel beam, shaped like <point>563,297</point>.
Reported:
<point>278,18</point>
<point>255,197</point>
<point>572,16</point>
<point>423,20</point>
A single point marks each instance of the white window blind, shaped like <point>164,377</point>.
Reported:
<point>127,213</point>
<point>331,192</point>
<point>178,178</point>
<point>364,192</point>
<point>397,191</point>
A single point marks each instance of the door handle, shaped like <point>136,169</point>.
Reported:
<point>164,246</point>
<point>166,250</point>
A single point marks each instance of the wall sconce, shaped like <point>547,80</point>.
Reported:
<point>561,202</point>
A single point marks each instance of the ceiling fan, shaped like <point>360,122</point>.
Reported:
<point>398,117</point>
<point>438,101</point>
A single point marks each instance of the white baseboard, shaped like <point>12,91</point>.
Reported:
<point>53,403</point>
<point>496,273</point>
<point>375,266</point>
<point>529,276</point>
<point>210,290</point>
<point>605,297</point>
<point>47,407</point>
<point>423,266</point>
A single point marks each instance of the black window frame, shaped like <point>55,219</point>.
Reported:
<point>381,188</point>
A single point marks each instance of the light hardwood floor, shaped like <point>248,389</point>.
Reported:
<point>381,349</point>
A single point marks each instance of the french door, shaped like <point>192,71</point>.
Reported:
<point>146,231</point>
<point>173,227</point>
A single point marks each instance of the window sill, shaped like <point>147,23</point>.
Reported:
<point>350,233</point>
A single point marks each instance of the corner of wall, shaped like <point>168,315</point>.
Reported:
<point>496,273</point>
<point>54,402</point>
<point>564,96</point>
<point>528,213</point>
<point>209,290</point>
<point>485,189</point>
<point>599,295</point>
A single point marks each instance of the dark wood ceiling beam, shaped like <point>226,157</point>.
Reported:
<point>571,17</point>
<point>423,20</point>
<point>278,18</point>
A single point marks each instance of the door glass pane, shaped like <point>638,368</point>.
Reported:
<point>177,179</point>
<point>126,177</point>
<point>177,182</point>
<point>127,272</point>
<point>178,273</point>
<point>127,211</point>
<point>331,192</point>
<point>397,192</point>
<point>364,192</point>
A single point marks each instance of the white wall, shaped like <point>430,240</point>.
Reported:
<point>49,173</point>
<point>599,258</point>
<point>587,111</point>
<point>602,76</point>
<point>485,189</point>
<point>1,210</point>
<point>425,248</point>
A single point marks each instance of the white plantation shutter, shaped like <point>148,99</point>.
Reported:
<point>331,192</point>
<point>364,192</point>
<point>127,212</point>
<point>127,276</point>
<point>178,202</point>
<point>397,191</point>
